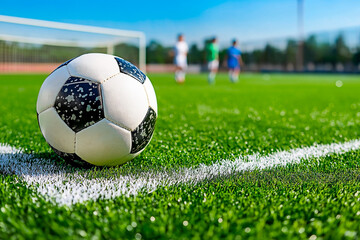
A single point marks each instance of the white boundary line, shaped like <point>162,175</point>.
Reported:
<point>62,185</point>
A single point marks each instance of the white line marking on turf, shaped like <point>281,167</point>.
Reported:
<point>65,186</point>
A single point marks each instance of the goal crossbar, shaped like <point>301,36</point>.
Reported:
<point>78,28</point>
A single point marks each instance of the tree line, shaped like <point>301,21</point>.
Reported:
<point>314,51</point>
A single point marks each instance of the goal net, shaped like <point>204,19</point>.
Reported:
<point>29,45</point>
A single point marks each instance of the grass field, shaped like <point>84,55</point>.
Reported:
<point>200,124</point>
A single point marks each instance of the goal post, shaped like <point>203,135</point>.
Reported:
<point>32,41</point>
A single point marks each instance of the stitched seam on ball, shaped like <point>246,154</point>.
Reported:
<point>119,125</point>
<point>47,109</point>
<point>111,77</point>
<point>67,69</point>
<point>147,95</point>
<point>75,144</point>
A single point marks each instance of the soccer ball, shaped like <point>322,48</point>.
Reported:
<point>98,109</point>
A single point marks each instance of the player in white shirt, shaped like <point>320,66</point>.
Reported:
<point>181,50</point>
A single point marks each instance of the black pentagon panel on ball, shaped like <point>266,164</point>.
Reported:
<point>143,133</point>
<point>72,158</point>
<point>79,103</point>
<point>130,69</point>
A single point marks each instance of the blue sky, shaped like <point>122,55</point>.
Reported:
<point>244,19</point>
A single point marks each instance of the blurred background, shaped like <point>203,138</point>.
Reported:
<point>274,36</point>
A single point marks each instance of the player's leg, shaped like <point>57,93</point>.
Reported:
<point>211,75</point>
<point>183,71</point>
<point>234,69</point>
<point>177,68</point>
<point>231,70</point>
<point>180,72</point>
<point>182,76</point>
<point>213,67</point>
<point>216,66</point>
<point>177,73</point>
<point>236,74</point>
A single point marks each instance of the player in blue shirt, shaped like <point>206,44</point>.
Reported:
<point>234,61</point>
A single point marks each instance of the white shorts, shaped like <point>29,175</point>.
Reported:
<point>213,65</point>
<point>181,62</point>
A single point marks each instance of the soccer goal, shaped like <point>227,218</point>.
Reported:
<point>30,45</point>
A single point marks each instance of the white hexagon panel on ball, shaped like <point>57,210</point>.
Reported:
<point>103,144</point>
<point>63,139</point>
<point>94,66</point>
<point>125,101</point>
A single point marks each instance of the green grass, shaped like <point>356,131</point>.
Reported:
<point>198,124</point>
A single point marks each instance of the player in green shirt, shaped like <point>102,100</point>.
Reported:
<point>212,56</point>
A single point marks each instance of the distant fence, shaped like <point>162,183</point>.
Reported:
<point>159,68</point>
<point>331,51</point>
<point>47,68</point>
<point>308,68</point>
